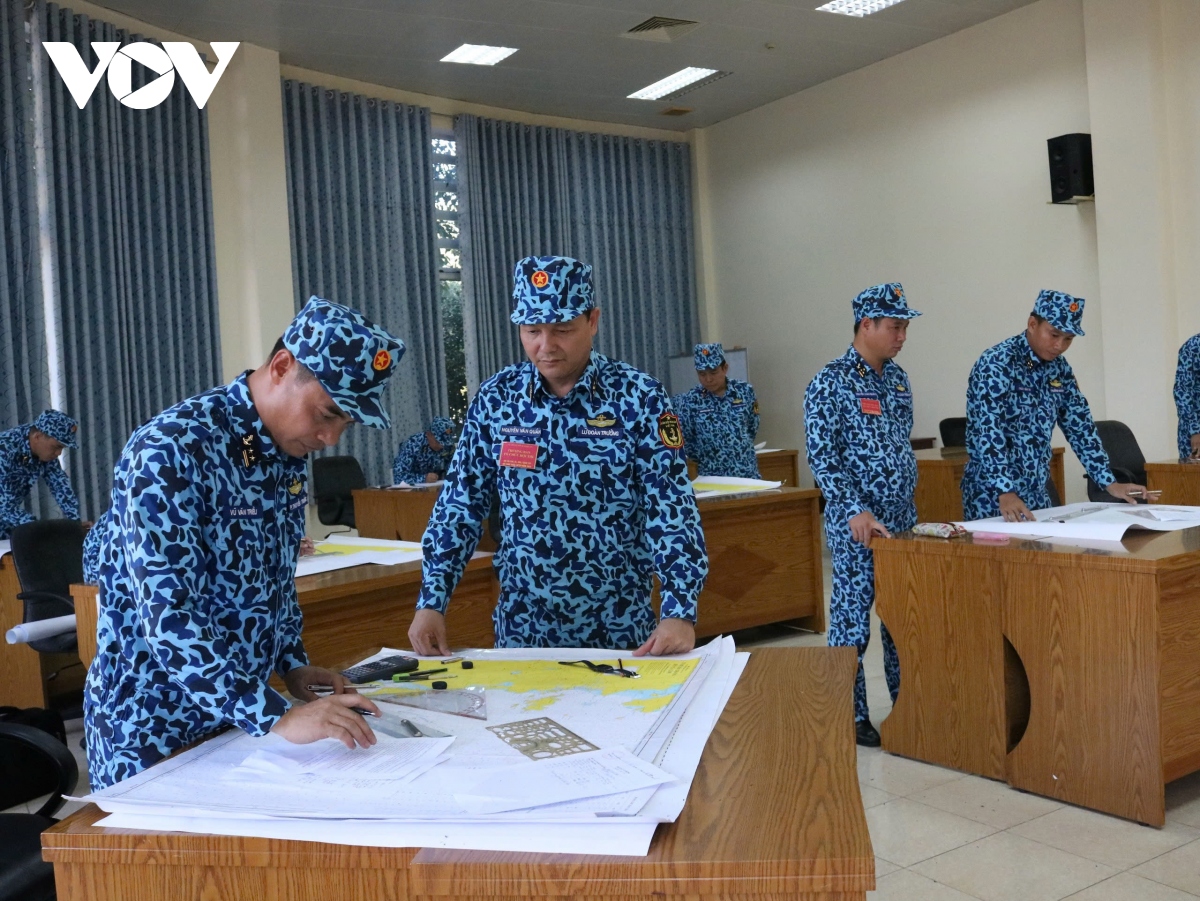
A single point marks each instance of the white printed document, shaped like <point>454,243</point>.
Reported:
<point>538,783</point>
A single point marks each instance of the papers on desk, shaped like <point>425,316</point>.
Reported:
<point>340,552</point>
<point>5,547</point>
<point>1089,522</point>
<point>42,628</point>
<point>473,788</point>
<point>438,484</point>
<point>712,486</point>
<point>763,449</point>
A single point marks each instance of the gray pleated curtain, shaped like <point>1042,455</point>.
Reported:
<point>23,375</point>
<point>621,204</point>
<point>360,198</point>
<point>131,254</point>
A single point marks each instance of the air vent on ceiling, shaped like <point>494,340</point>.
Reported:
<point>676,111</point>
<point>661,28</point>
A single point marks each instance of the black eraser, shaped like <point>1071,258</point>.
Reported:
<point>467,664</point>
<point>438,684</point>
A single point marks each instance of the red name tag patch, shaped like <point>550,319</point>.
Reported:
<point>870,406</point>
<point>522,456</point>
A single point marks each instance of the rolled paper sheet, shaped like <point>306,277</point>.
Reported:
<point>43,628</point>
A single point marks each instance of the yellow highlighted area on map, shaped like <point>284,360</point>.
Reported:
<point>544,681</point>
<point>343,547</point>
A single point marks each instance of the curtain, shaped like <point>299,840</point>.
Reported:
<point>360,198</point>
<point>133,253</point>
<point>621,204</point>
<point>24,390</point>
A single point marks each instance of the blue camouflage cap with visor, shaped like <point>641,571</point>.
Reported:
<point>883,300</point>
<point>708,356</point>
<point>551,289</point>
<point>351,357</point>
<point>443,429</point>
<point>59,426</point>
<point>1061,310</point>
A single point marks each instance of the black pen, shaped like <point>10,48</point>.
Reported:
<point>361,712</point>
<point>404,677</point>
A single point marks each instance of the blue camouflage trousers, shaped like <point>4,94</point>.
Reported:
<point>851,602</point>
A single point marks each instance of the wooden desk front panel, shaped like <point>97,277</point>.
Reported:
<point>21,682</point>
<point>393,514</point>
<point>1179,669</point>
<point>781,466</point>
<point>764,561</point>
<point>796,827</point>
<point>1178,482</point>
<point>348,609</point>
<point>1088,641</point>
<point>338,622</point>
<point>943,613</point>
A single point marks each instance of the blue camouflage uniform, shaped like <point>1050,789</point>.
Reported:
<point>20,470</point>
<point>857,425</point>
<point>416,459</point>
<point>594,493</point>
<point>1187,394</point>
<point>1014,400</point>
<point>719,431</point>
<point>198,557</point>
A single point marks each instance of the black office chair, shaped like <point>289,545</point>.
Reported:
<point>954,431</point>
<point>32,763</point>
<point>48,557</point>
<point>334,478</point>
<point>1124,457</point>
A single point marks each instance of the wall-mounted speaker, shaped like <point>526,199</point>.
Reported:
<point>1070,167</point>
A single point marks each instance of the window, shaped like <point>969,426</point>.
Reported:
<point>445,206</point>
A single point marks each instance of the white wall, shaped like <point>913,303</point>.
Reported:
<point>928,168</point>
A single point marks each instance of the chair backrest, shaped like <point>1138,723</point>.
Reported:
<point>334,478</point>
<point>1124,458</point>
<point>954,431</point>
<point>48,557</point>
<point>33,763</point>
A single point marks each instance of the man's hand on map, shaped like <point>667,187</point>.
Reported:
<point>427,634</point>
<point>307,547</point>
<point>1013,509</point>
<point>1127,491</point>
<point>673,636</point>
<point>329,717</point>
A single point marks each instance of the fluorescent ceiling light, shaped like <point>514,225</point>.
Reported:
<point>479,54</point>
<point>672,83</point>
<point>858,8</point>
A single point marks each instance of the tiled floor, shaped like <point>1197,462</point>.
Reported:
<point>940,835</point>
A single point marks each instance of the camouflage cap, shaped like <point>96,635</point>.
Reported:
<point>59,426</point>
<point>351,357</point>
<point>708,356</point>
<point>551,289</point>
<point>1062,311</point>
<point>443,429</point>
<point>883,300</point>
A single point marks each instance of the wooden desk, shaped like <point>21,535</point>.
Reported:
<point>400,514</point>
<point>1178,482</point>
<point>774,812</point>
<point>922,443</point>
<point>939,482</point>
<point>764,561</point>
<point>1068,672</point>
<point>774,466</point>
<point>349,609</point>
<point>24,673</point>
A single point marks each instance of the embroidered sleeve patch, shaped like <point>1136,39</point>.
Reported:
<point>670,431</point>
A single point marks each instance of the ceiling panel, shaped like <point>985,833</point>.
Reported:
<point>572,60</point>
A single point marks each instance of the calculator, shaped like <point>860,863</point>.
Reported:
<point>380,669</point>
